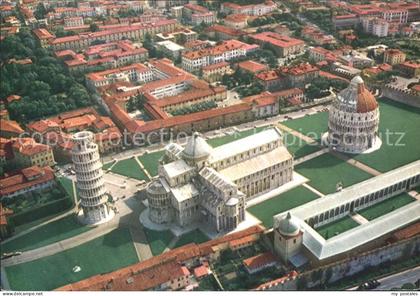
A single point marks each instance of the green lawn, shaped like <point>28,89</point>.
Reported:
<point>47,234</point>
<point>386,206</point>
<point>288,200</point>
<point>297,146</point>
<point>101,255</point>
<point>195,236</point>
<point>158,240</point>
<point>150,161</point>
<point>130,168</point>
<point>339,226</point>
<point>236,136</point>
<point>326,170</point>
<point>397,118</point>
<point>67,185</point>
<point>311,125</point>
<point>107,165</point>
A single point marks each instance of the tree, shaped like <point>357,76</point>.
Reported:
<point>40,11</point>
<point>93,27</point>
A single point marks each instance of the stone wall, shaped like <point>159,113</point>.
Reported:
<point>404,96</point>
<point>351,266</point>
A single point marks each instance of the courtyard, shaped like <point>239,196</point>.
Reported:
<point>101,255</point>
<point>386,206</point>
<point>337,227</point>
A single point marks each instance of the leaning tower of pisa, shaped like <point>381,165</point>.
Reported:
<point>90,182</point>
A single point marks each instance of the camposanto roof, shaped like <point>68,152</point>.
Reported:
<point>361,234</point>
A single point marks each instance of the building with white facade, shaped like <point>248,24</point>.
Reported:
<point>251,9</point>
<point>199,183</point>
<point>227,50</point>
<point>353,120</point>
<point>333,207</point>
<point>90,183</point>
<point>375,26</point>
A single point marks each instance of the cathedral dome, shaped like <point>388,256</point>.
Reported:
<point>289,225</point>
<point>196,148</point>
<point>356,97</point>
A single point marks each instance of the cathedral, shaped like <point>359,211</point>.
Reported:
<point>353,120</point>
<point>199,183</point>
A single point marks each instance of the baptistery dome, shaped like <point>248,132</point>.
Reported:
<point>356,97</point>
<point>353,120</point>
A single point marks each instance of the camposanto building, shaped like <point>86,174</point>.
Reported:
<point>199,183</point>
<point>353,120</point>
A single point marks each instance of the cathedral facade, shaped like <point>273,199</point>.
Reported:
<point>199,183</point>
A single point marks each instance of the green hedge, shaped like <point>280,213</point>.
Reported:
<point>42,211</point>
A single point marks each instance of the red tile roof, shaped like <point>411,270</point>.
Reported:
<point>277,39</point>
<point>259,260</point>
<point>275,282</point>
<point>4,212</point>
<point>252,66</point>
<point>20,181</point>
<point>10,126</point>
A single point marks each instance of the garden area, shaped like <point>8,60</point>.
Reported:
<point>107,253</point>
<point>386,206</point>
<point>36,205</point>
<point>337,227</point>
<point>52,232</point>
<point>195,236</point>
<point>232,274</point>
<point>158,240</point>
<point>208,283</point>
<point>293,198</point>
<point>129,168</point>
<point>326,171</point>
